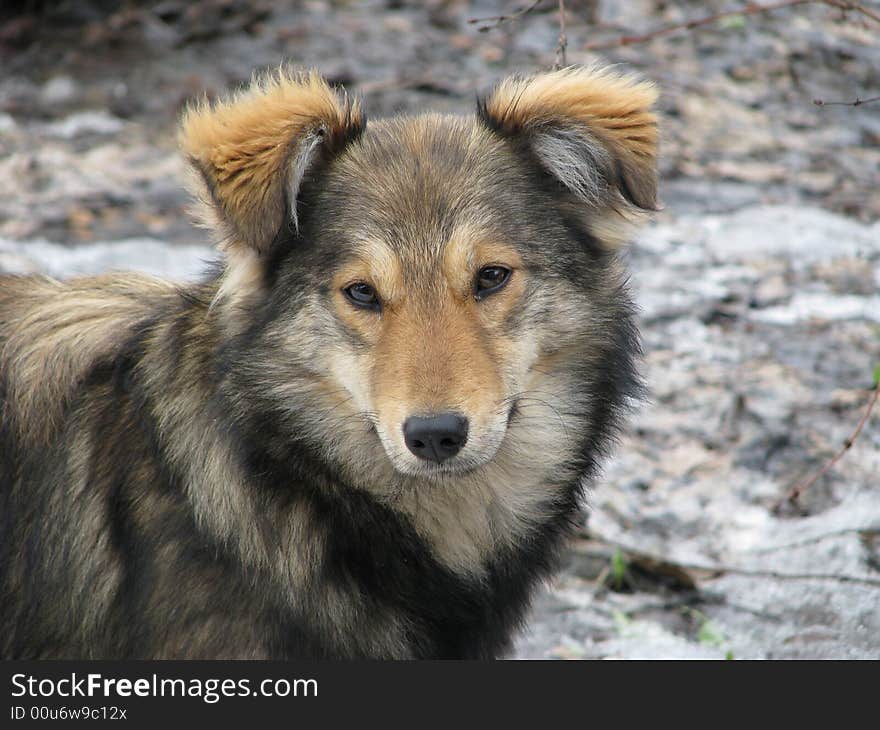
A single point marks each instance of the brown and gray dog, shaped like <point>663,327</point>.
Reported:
<point>367,434</point>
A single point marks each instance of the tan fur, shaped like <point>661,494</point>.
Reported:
<point>239,286</point>
<point>431,362</point>
<point>614,108</point>
<point>246,148</point>
<point>374,264</point>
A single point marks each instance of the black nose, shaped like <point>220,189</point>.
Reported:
<point>437,438</point>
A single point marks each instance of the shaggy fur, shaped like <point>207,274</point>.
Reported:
<point>220,470</point>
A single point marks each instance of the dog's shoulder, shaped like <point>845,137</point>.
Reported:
<point>52,333</point>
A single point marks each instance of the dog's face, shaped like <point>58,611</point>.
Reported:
<point>451,283</point>
<point>437,293</point>
<point>444,292</point>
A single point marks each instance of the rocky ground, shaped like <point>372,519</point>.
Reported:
<point>759,282</point>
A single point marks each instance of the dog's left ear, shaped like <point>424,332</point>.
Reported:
<point>249,154</point>
<point>592,128</point>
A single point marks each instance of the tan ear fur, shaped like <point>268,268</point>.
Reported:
<point>249,152</point>
<point>581,118</point>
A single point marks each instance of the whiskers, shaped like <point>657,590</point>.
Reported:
<point>517,407</point>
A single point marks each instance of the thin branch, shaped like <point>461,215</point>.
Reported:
<point>861,531</point>
<point>854,7</point>
<point>748,9</point>
<point>720,568</point>
<point>562,44</point>
<point>493,21</point>
<point>800,487</point>
<point>857,102</point>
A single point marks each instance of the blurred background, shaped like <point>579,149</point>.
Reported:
<point>759,282</point>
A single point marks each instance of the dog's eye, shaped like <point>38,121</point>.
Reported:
<point>490,279</point>
<point>362,295</point>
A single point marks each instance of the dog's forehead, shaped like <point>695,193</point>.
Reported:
<point>413,182</point>
<point>423,144</point>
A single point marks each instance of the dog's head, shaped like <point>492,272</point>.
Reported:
<point>432,292</point>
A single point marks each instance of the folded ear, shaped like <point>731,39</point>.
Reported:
<point>249,153</point>
<point>592,128</point>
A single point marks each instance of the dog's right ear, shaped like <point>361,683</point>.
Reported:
<point>249,153</point>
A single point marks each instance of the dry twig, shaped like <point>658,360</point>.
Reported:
<point>562,44</point>
<point>857,102</point>
<point>802,486</point>
<point>853,7</point>
<point>721,568</point>
<point>493,21</point>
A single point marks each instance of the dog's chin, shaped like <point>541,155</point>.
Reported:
<point>423,469</point>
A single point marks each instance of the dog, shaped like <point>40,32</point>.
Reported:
<point>367,433</point>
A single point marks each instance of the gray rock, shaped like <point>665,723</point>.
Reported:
<point>85,122</point>
<point>58,90</point>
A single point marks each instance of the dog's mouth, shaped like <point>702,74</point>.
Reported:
<point>434,471</point>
